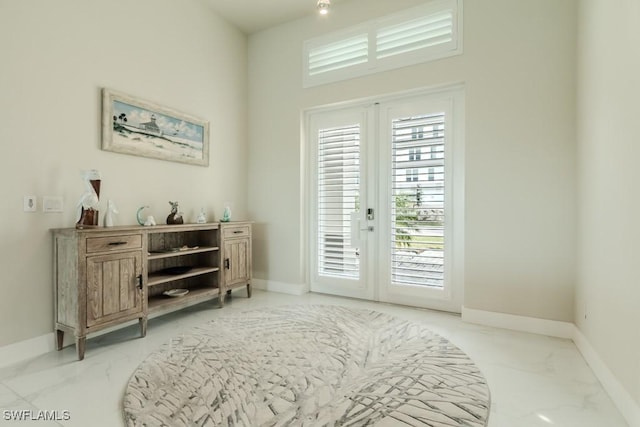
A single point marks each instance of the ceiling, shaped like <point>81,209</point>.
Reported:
<point>255,15</point>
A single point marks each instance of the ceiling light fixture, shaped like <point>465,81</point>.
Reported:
<point>323,6</point>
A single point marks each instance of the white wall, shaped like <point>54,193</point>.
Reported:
<point>608,292</point>
<point>55,58</point>
<point>518,67</point>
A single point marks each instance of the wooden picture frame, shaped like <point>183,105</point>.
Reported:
<point>131,125</point>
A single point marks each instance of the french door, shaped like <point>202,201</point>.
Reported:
<point>386,200</point>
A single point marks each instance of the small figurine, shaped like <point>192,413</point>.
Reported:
<point>147,222</point>
<point>226,215</point>
<point>139,216</point>
<point>201,219</point>
<point>111,210</point>
<point>175,217</point>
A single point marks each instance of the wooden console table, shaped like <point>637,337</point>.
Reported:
<point>107,276</point>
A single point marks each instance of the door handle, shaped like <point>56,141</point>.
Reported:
<point>226,263</point>
<point>140,282</point>
<point>356,238</point>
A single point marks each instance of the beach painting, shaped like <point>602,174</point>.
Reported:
<point>134,126</point>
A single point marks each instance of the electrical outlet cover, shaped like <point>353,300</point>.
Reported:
<point>30,204</point>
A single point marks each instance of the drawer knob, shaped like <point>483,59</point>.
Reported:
<point>117,243</point>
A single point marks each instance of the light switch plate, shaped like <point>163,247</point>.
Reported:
<point>52,204</point>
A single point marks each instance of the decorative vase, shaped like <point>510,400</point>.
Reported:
<point>111,211</point>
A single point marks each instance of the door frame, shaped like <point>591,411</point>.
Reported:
<point>455,93</point>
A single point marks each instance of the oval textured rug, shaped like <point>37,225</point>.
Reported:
<point>308,365</point>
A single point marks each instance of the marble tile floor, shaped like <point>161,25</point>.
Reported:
<point>535,381</point>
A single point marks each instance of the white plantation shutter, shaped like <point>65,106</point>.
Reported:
<point>338,196</point>
<point>417,205</point>
<point>416,34</point>
<point>424,33</point>
<point>341,54</point>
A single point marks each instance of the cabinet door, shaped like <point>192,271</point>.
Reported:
<point>113,287</point>
<point>237,262</point>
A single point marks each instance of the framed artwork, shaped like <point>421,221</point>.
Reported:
<point>142,128</point>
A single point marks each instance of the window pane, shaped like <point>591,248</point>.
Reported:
<point>417,201</point>
<point>421,33</point>
<point>338,55</point>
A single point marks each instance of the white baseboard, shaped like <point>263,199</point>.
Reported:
<point>625,403</point>
<point>284,288</point>
<point>552,328</point>
<point>627,406</point>
<point>27,349</point>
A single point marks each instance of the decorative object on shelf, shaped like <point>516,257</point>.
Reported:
<point>139,216</point>
<point>149,221</point>
<point>175,217</point>
<point>88,203</point>
<point>134,126</point>
<point>176,292</point>
<point>226,215</point>
<point>202,218</point>
<point>112,210</point>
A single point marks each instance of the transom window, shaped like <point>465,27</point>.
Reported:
<point>424,33</point>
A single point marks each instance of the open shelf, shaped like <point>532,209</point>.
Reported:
<point>159,278</point>
<point>182,257</point>
<point>173,253</point>
<point>160,302</point>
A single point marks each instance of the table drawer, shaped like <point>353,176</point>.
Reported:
<point>236,231</point>
<point>114,243</point>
